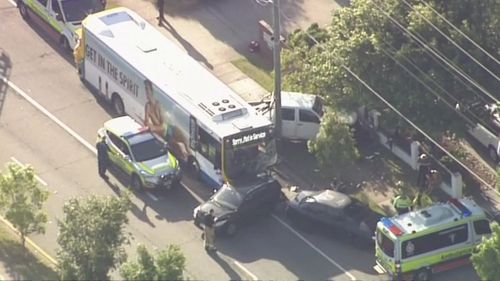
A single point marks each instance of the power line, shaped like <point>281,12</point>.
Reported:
<point>452,41</point>
<point>461,33</point>
<point>413,36</point>
<point>337,60</point>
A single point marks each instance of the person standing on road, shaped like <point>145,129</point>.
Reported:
<point>209,231</point>
<point>102,158</point>
<point>160,17</point>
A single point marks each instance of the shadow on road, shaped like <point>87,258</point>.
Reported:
<point>172,205</point>
<point>233,275</point>
<point>5,70</point>
<point>68,57</point>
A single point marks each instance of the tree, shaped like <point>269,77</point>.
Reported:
<point>168,265</point>
<point>22,199</point>
<point>365,38</point>
<point>91,237</point>
<point>487,257</point>
<point>334,146</point>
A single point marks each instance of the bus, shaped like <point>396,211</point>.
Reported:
<point>211,130</point>
<point>415,245</point>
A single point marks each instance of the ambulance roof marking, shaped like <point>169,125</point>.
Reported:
<point>438,214</point>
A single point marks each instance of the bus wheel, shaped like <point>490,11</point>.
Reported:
<point>423,274</point>
<point>23,10</point>
<point>118,105</point>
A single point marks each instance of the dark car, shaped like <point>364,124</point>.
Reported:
<point>333,211</point>
<point>236,207</point>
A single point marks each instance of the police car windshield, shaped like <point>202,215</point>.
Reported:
<point>77,10</point>
<point>228,197</point>
<point>145,147</point>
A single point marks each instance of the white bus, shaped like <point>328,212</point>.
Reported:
<point>208,127</point>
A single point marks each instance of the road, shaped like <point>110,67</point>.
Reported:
<point>64,159</point>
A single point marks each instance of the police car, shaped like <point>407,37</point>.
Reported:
<point>60,18</point>
<point>140,154</point>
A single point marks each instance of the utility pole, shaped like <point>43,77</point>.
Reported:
<point>277,67</point>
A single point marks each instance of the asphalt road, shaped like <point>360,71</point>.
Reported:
<point>270,249</point>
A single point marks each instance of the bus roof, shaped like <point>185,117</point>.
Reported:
<point>186,81</point>
<point>439,214</point>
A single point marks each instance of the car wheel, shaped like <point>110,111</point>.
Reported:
<point>118,105</point>
<point>423,274</point>
<point>136,183</point>
<point>492,152</point>
<point>231,229</point>
<point>65,44</point>
<point>23,10</point>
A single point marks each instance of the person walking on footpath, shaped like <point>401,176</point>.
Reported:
<point>209,231</point>
<point>160,17</point>
<point>102,158</point>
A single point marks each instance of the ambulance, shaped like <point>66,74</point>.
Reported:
<point>415,245</point>
<point>59,18</point>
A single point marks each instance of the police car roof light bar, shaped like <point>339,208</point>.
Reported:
<point>465,212</point>
<point>392,227</point>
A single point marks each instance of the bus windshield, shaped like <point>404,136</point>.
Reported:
<point>245,162</point>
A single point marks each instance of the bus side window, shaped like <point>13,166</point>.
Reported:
<point>482,227</point>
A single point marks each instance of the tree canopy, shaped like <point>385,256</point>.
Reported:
<point>388,44</point>
<point>22,199</point>
<point>487,257</point>
<point>168,265</point>
<point>91,237</point>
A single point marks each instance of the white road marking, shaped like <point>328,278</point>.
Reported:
<point>13,3</point>
<point>252,276</point>
<point>39,179</point>
<point>92,148</point>
<point>315,248</point>
<point>50,115</point>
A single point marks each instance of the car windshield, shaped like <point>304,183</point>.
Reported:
<point>148,149</point>
<point>228,197</point>
<point>77,10</point>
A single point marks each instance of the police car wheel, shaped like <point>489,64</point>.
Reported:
<point>23,10</point>
<point>136,183</point>
<point>423,274</point>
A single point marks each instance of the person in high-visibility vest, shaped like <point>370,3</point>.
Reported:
<point>402,203</point>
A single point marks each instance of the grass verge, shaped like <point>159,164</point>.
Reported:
<point>258,74</point>
<point>22,260</point>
